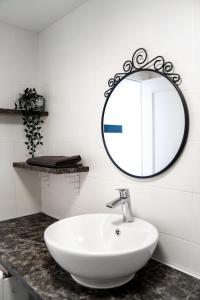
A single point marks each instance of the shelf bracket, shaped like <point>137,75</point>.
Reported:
<point>45,178</point>
<point>75,180</point>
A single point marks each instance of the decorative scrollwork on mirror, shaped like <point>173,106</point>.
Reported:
<point>140,61</point>
<point>145,118</point>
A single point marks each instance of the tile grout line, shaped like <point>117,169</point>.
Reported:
<point>181,239</point>
<point>149,185</point>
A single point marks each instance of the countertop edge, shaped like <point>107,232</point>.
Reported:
<point>23,282</point>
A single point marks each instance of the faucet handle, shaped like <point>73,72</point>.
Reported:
<point>124,192</point>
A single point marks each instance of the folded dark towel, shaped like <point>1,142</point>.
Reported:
<point>55,161</point>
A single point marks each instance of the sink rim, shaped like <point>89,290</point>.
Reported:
<point>110,253</point>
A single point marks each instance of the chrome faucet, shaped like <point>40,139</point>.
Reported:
<point>124,200</point>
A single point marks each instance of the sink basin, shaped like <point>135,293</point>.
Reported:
<point>100,251</point>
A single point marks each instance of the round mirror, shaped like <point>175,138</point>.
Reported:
<point>145,123</point>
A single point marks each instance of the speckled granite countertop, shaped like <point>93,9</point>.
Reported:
<point>23,253</point>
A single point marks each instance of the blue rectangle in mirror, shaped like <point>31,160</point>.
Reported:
<point>112,128</point>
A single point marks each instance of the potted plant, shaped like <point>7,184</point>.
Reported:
<point>31,104</point>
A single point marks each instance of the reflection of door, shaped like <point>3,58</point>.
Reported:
<point>160,118</point>
<point>167,118</point>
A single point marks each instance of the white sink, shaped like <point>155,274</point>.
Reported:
<point>99,250</point>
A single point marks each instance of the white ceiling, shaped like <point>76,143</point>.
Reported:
<point>35,15</point>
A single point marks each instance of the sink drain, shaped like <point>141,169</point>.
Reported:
<point>117,232</point>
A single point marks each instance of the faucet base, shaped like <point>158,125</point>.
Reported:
<point>102,283</point>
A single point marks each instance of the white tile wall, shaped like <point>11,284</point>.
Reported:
<point>77,56</point>
<point>179,254</point>
<point>20,192</point>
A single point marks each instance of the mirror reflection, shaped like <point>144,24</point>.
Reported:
<point>143,123</point>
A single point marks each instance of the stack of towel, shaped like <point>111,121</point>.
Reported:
<point>55,161</point>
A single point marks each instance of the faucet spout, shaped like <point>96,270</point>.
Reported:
<point>124,201</point>
<point>114,203</point>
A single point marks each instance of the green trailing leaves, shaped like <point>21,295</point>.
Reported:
<point>30,103</point>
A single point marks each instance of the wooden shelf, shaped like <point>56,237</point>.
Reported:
<point>11,112</point>
<point>24,165</point>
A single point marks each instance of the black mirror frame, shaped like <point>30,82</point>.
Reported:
<point>158,65</point>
